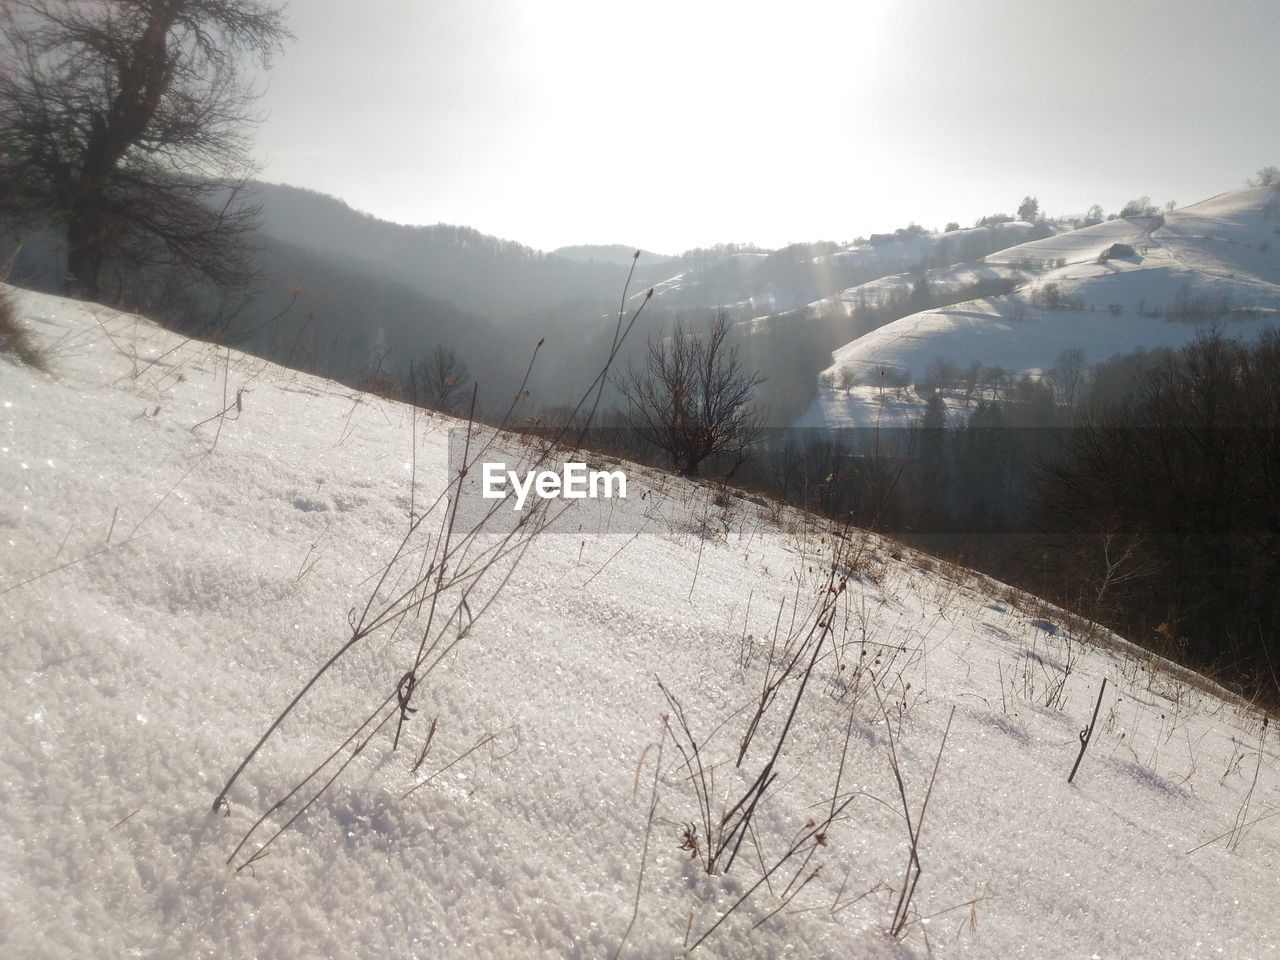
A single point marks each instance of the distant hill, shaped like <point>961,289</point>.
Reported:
<point>616,253</point>
<point>1111,288</point>
<point>814,287</point>
<point>350,321</point>
<point>500,279</point>
<point>508,281</point>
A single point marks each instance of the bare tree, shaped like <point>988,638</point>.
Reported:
<point>1069,374</point>
<point>124,121</point>
<point>440,379</point>
<point>1266,177</point>
<point>692,398</point>
<point>972,377</point>
<point>942,373</point>
<point>1141,207</point>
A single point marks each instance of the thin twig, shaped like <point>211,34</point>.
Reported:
<point>648,829</point>
<point>1087,733</point>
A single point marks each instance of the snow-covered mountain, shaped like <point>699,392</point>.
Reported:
<point>1123,284</point>
<point>187,533</point>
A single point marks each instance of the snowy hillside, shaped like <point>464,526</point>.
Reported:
<point>1215,260</point>
<point>187,534</point>
<point>791,285</point>
<point>885,261</point>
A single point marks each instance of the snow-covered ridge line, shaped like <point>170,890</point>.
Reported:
<point>1106,289</point>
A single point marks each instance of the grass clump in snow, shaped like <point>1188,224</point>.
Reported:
<point>735,780</point>
<point>440,580</point>
<point>15,341</point>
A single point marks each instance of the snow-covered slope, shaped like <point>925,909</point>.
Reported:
<point>957,244</point>
<point>779,288</point>
<point>1217,259</point>
<point>170,577</point>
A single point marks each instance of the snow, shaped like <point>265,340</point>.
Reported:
<point>1225,250</point>
<point>163,595</point>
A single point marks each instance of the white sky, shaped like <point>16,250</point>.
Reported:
<point>670,125</point>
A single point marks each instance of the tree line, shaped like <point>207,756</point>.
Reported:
<point>1142,492</point>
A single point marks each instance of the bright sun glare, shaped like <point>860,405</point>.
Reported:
<point>674,124</point>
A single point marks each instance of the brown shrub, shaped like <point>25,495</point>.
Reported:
<point>14,339</point>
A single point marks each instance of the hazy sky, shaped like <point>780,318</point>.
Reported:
<point>670,125</point>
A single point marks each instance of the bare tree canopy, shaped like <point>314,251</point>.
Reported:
<point>125,122</point>
<point>1069,373</point>
<point>692,399</point>
<point>440,379</point>
<point>1266,177</point>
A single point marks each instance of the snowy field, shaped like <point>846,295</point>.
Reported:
<point>1219,255</point>
<point>187,534</point>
